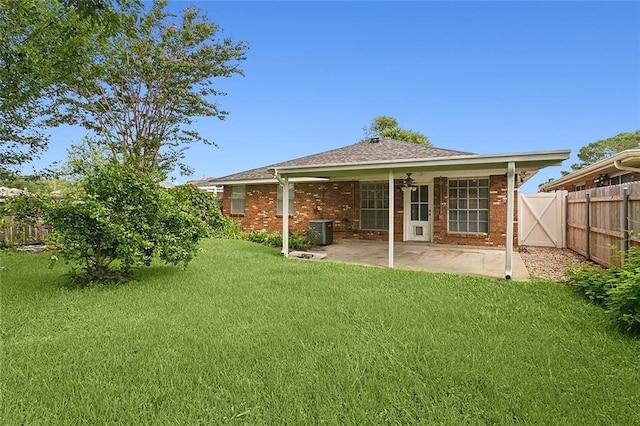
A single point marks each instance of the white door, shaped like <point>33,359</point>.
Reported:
<point>416,208</point>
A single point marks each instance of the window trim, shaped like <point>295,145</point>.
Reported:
<point>377,185</point>
<point>467,209</point>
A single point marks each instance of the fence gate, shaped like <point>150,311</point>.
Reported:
<point>541,219</point>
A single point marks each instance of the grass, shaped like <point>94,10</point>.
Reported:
<point>244,336</point>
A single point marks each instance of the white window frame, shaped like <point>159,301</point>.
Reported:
<point>238,199</point>
<point>626,176</point>
<point>280,204</point>
<point>378,205</point>
<point>466,208</point>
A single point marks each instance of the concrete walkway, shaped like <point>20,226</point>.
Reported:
<point>462,260</point>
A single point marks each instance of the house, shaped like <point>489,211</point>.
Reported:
<point>622,167</point>
<point>388,190</point>
<point>203,183</point>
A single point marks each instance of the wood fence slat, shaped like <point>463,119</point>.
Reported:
<point>606,221</point>
<point>17,234</point>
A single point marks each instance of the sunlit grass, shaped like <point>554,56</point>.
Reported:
<point>244,334</point>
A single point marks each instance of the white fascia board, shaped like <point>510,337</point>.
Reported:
<point>546,158</point>
<point>593,168</point>
<point>264,181</point>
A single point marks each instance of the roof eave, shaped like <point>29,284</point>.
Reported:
<point>532,160</point>
<point>268,181</point>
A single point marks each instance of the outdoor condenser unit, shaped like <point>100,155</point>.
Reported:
<point>321,231</point>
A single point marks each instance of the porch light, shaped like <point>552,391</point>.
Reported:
<point>408,182</point>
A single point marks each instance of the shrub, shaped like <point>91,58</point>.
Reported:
<point>592,281</point>
<point>616,289</point>
<point>229,229</point>
<point>299,241</point>
<point>624,296</point>
<point>201,204</point>
<point>296,241</point>
<point>122,219</point>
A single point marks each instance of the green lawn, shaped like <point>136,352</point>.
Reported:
<point>245,336</point>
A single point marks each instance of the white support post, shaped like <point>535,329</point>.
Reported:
<point>508,263</point>
<point>285,217</point>
<point>391,213</point>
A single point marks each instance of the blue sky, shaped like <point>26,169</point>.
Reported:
<point>484,77</point>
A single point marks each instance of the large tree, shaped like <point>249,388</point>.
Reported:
<point>388,127</point>
<point>45,45</point>
<point>596,151</point>
<point>150,82</point>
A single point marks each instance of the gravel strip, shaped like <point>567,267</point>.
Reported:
<point>547,263</point>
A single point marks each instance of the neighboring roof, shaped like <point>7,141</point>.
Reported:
<point>6,192</point>
<point>618,163</point>
<point>200,182</point>
<point>371,157</point>
<point>167,185</point>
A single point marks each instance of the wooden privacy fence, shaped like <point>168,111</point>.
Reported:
<point>18,234</point>
<point>602,222</point>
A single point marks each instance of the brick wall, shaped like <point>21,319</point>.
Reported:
<point>340,202</point>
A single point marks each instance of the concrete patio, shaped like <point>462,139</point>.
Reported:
<point>462,260</point>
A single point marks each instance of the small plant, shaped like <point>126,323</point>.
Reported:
<point>624,296</point>
<point>299,241</point>
<point>228,229</point>
<point>616,289</point>
<point>260,237</point>
<point>592,281</point>
<point>296,241</point>
<point>5,244</point>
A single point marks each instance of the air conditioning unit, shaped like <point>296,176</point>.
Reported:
<point>321,232</point>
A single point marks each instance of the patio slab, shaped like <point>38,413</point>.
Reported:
<point>462,260</point>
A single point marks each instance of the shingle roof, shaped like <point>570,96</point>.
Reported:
<point>384,150</point>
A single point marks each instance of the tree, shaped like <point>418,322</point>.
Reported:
<point>596,151</point>
<point>387,127</point>
<point>45,45</point>
<point>148,84</point>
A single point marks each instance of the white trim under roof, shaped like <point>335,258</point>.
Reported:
<point>264,181</point>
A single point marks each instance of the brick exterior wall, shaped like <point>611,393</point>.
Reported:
<point>340,202</point>
<point>497,216</point>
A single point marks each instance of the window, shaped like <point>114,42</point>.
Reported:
<point>469,205</point>
<point>374,205</point>
<point>238,199</point>
<point>420,204</point>
<point>616,180</point>
<point>280,191</point>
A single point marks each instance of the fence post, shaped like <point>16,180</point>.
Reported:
<point>625,223</point>
<point>588,225</point>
